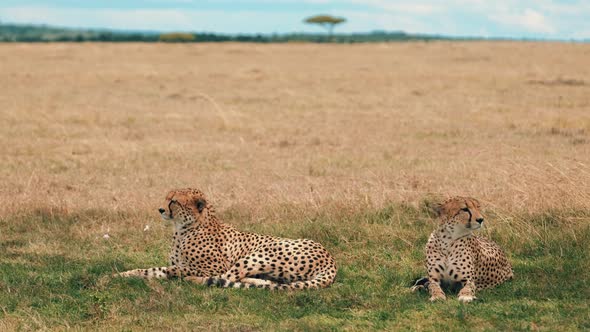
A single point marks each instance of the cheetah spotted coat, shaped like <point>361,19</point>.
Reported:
<point>455,257</point>
<point>207,251</point>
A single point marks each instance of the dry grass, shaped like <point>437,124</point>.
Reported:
<point>257,126</point>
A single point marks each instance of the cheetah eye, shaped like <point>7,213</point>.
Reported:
<point>465,209</point>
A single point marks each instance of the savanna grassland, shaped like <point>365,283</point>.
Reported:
<point>349,145</point>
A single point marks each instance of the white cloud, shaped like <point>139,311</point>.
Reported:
<point>565,9</point>
<point>405,7</point>
<point>536,22</point>
<point>383,21</point>
<point>499,18</point>
<point>158,19</point>
<point>530,20</point>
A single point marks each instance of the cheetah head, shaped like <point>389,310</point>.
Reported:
<point>185,206</point>
<point>460,215</point>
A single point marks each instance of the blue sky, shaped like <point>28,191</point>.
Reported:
<point>565,19</point>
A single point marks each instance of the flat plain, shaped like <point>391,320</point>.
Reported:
<point>349,145</point>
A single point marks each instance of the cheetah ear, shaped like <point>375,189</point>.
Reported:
<point>200,203</point>
<point>444,208</point>
<point>439,209</point>
<point>432,204</point>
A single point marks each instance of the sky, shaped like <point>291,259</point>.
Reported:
<point>539,19</point>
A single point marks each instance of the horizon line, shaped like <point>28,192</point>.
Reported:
<point>449,37</point>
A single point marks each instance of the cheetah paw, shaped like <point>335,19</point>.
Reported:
<point>440,297</point>
<point>196,280</point>
<point>466,298</point>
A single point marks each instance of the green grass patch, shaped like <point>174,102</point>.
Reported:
<point>56,267</point>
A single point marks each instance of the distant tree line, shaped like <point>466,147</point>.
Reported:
<point>33,33</point>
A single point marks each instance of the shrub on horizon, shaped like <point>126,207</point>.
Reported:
<point>177,37</point>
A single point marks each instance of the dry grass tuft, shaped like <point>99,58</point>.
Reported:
<point>559,81</point>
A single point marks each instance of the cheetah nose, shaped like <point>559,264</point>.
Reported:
<point>161,210</point>
<point>479,220</point>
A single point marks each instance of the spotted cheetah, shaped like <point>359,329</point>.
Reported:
<point>208,251</point>
<point>456,257</point>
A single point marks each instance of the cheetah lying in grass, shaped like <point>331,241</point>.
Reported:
<point>207,251</point>
<point>456,257</point>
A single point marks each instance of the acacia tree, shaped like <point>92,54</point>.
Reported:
<point>325,21</point>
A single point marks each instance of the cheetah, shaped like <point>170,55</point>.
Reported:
<point>208,251</point>
<point>456,257</point>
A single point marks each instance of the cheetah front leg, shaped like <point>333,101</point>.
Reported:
<point>436,292</point>
<point>435,270</point>
<point>467,293</point>
<point>464,266</point>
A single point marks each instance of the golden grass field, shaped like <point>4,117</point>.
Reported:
<point>293,140</point>
<point>256,126</point>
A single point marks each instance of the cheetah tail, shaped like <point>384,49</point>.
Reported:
<point>320,281</point>
<point>224,283</point>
